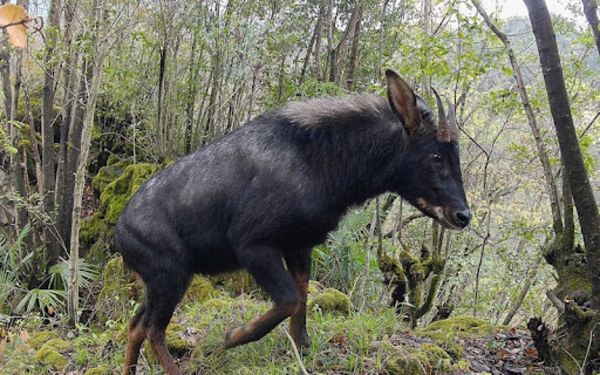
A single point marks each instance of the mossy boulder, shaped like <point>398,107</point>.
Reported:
<point>50,356</point>
<point>118,290</point>
<point>331,301</point>
<point>446,333</point>
<point>426,359</point>
<point>97,371</point>
<point>116,194</point>
<point>37,340</point>
<point>115,184</point>
<point>236,283</point>
<point>463,325</point>
<point>200,290</point>
<point>107,175</point>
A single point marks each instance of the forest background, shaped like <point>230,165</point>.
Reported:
<point>106,93</point>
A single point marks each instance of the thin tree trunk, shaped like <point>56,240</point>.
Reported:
<point>533,270</point>
<point>82,163</point>
<point>160,134</point>
<point>583,196</point>
<point>531,119</point>
<point>48,182</point>
<point>590,8</point>
<point>354,56</point>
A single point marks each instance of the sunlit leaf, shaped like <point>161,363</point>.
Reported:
<point>12,18</point>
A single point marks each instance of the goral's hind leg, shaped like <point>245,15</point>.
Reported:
<point>162,295</point>
<point>266,266</point>
<point>298,265</point>
<point>137,335</point>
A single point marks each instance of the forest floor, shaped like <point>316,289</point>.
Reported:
<point>369,342</point>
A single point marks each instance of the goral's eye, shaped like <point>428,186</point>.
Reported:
<point>437,158</point>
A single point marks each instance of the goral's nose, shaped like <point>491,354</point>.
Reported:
<point>462,218</point>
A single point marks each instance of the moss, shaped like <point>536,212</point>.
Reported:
<point>428,359</point>
<point>96,371</point>
<point>40,338</point>
<point>58,344</point>
<point>116,194</point>
<point>117,291</point>
<point>460,324</point>
<point>215,303</point>
<point>90,230</point>
<point>107,175</point>
<point>331,301</point>
<point>236,282</point>
<point>445,332</point>
<point>447,341</point>
<point>200,290</point>
<point>390,264</point>
<point>315,287</point>
<point>51,357</point>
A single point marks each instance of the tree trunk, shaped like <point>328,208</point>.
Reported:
<point>581,339</point>
<point>52,240</point>
<point>80,174</point>
<point>160,134</point>
<point>354,56</point>
<point>590,8</point>
<point>551,188</point>
<point>581,190</point>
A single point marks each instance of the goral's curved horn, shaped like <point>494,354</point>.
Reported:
<point>447,126</point>
<point>452,123</point>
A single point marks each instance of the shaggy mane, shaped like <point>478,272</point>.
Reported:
<point>335,111</point>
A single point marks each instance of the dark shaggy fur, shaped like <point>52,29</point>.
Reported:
<point>269,192</point>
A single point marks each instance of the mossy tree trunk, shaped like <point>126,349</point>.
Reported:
<point>407,275</point>
<point>578,269</point>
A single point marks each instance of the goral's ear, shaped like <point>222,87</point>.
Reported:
<point>403,102</point>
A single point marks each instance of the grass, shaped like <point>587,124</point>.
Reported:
<point>353,344</point>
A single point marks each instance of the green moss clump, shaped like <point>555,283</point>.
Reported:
<point>428,359</point>
<point>116,194</point>
<point>331,301</point>
<point>446,332</point>
<point>200,290</point>
<point>96,371</point>
<point>315,287</point>
<point>108,174</point>
<point>115,184</point>
<point>58,344</point>
<point>236,283</point>
<point>40,338</point>
<point>460,324</point>
<point>117,291</point>
<point>51,357</point>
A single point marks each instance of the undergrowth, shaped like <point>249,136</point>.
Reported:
<point>340,345</point>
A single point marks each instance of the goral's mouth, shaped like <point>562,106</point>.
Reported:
<point>440,214</point>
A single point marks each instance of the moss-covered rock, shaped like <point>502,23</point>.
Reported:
<point>51,357</point>
<point>236,283</point>
<point>97,371</point>
<point>116,194</point>
<point>107,175</point>
<point>37,340</point>
<point>460,324</point>
<point>199,290</point>
<point>116,184</point>
<point>446,332</point>
<point>59,344</point>
<point>428,359</point>
<point>118,290</point>
<point>331,301</point>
